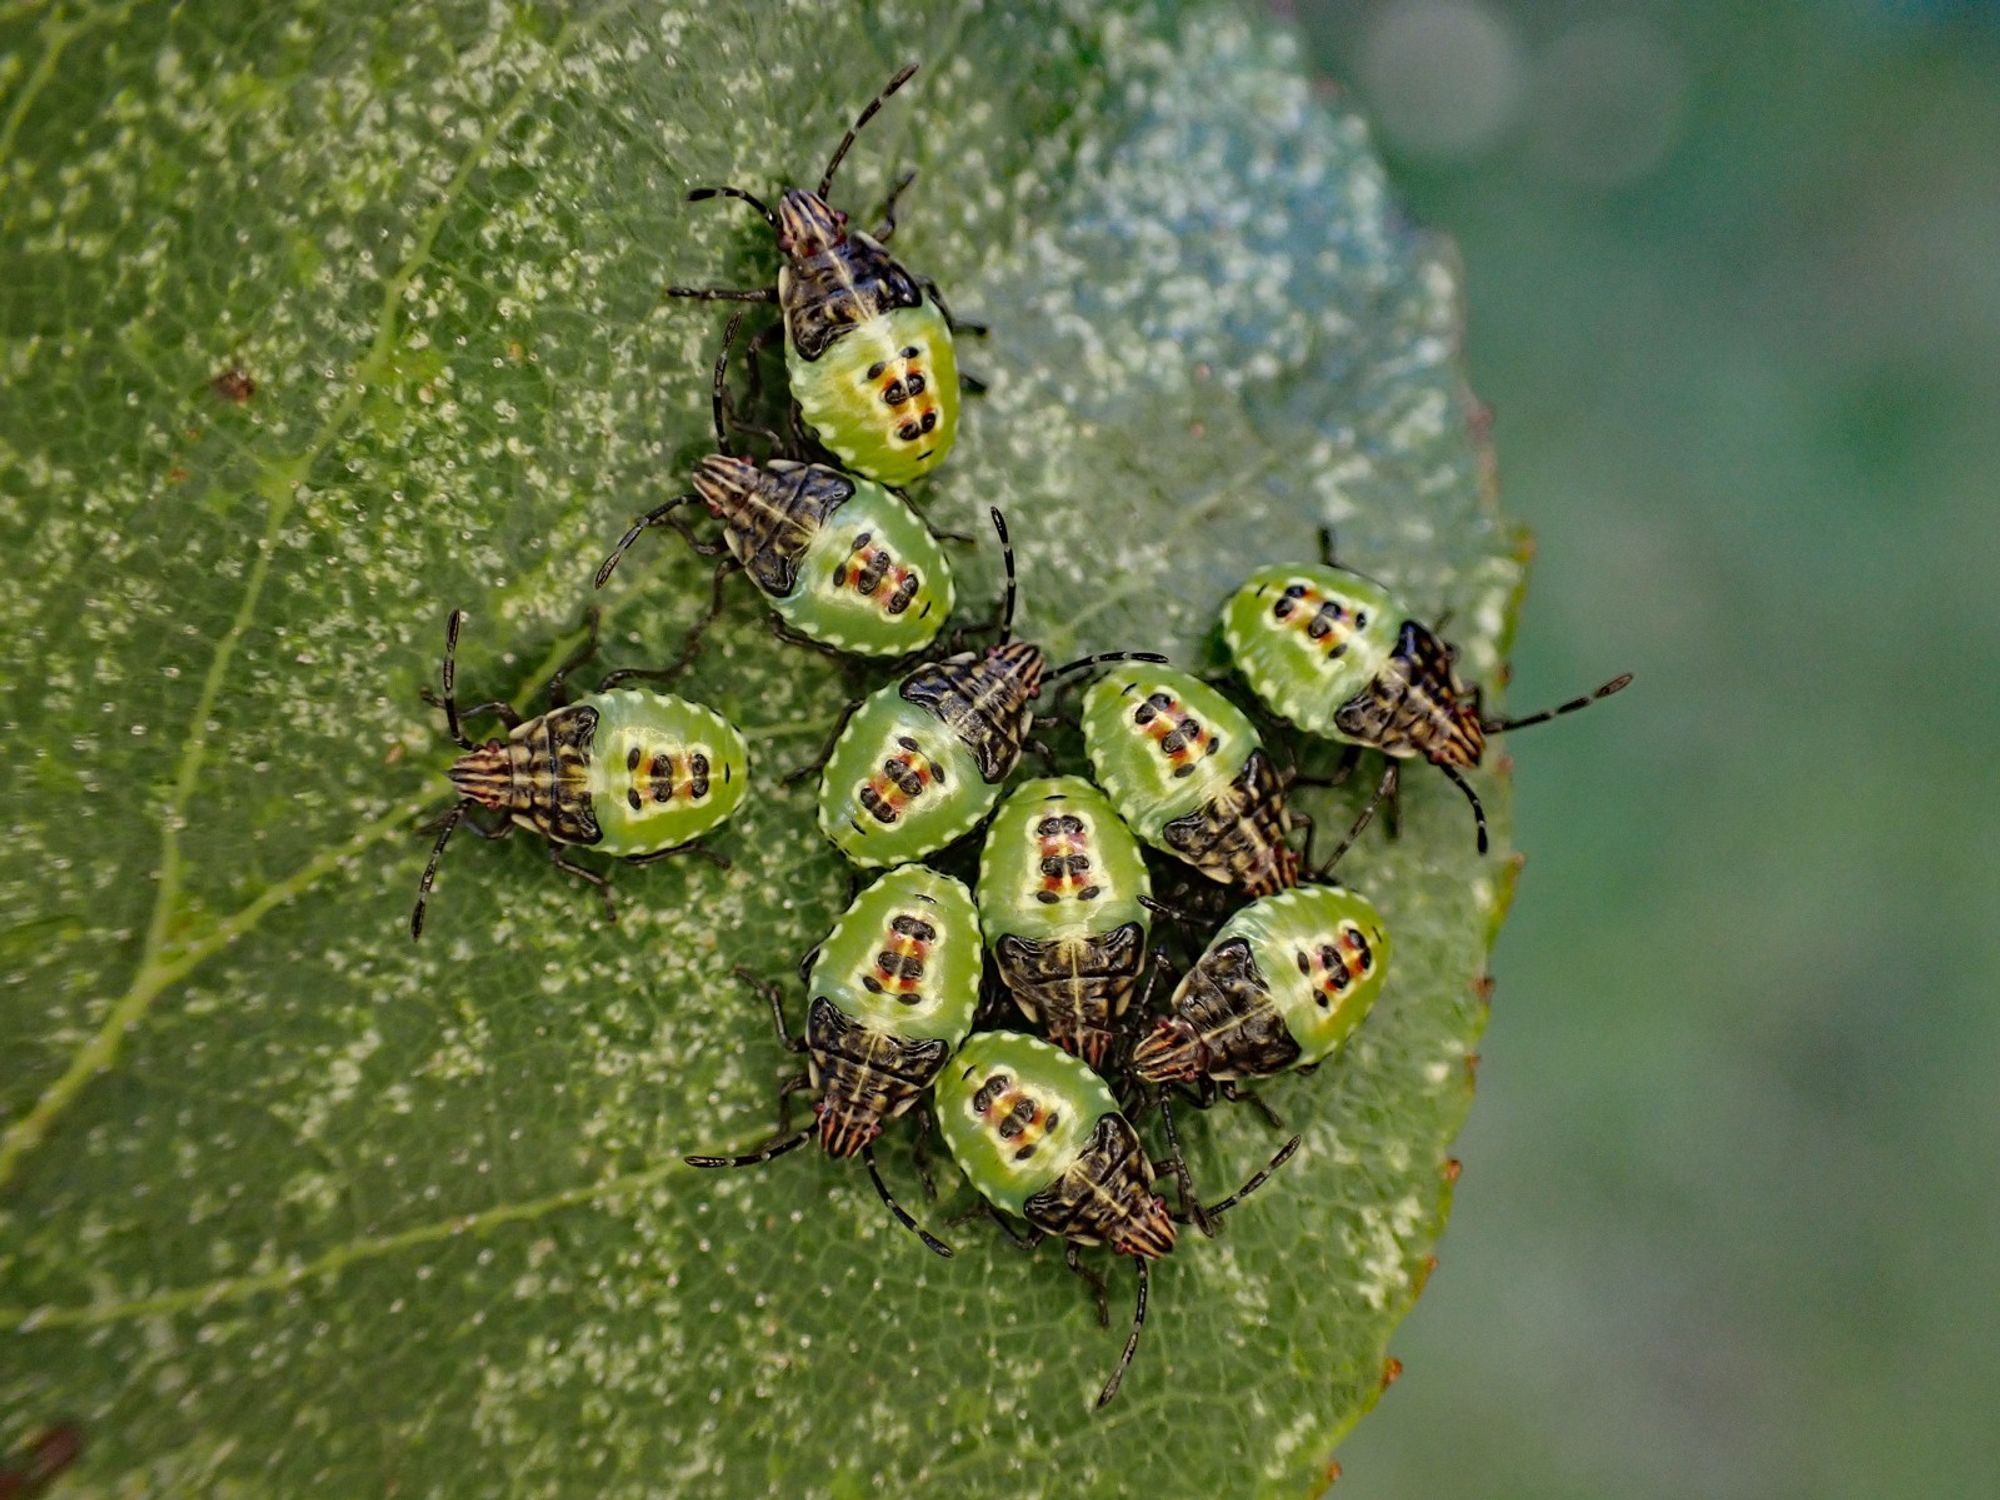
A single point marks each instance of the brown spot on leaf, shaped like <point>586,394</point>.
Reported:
<point>234,384</point>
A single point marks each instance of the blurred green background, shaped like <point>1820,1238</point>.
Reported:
<point>1727,1225</point>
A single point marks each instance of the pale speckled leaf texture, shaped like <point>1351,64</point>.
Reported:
<point>291,1205</point>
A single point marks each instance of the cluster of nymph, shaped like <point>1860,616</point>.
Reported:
<point>904,1012</point>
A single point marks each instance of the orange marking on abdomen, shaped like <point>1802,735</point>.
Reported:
<point>1336,967</point>
<point>905,776</point>
<point>1015,1116</point>
<point>1064,864</point>
<point>1179,736</point>
<point>1324,620</point>
<point>665,777</point>
<point>899,963</point>
<point>873,574</point>
<point>906,390</point>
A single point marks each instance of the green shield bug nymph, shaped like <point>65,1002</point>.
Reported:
<point>1040,1136</point>
<point>1333,652</point>
<point>1187,770</point>
<point>868,345</point>
<point>844,563</point>
<point>1061,901</point>
<point>893,990</point>
<point>918,763</point>
<point>629,772</point>
<point>1280,987</point>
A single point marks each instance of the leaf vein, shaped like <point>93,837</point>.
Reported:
<point>332,1262</point>
<point>100,1052</point>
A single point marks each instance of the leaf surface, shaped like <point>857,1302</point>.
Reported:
<point>289,1204</point>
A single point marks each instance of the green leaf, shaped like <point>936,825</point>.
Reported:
<point>289,1204</point>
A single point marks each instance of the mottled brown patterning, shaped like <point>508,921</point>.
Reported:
<point>770,516</point>
<point>538,775</point>
<point>836,278</point>
<point>1416,706</point>
<point>1106,1197</point>
<point>1239,836</point>
<point>987,699</point>
<point>864,1077</point>
<point>1225,1024</point>
<point>1075,988</point>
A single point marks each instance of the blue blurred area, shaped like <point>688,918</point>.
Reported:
<point>1728,1221</point>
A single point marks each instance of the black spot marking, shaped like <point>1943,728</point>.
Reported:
<point>1025,1152</point>
<point>632,796</point>
<point>909,432</point>
<point>632,760</point>
<point>894,394</point>
<point>1047,898</point>
<point>995,1085</point>
<point>871,576</point>
<point>1090,893</point>
<point>908,926</point>
<point>929,421</point>
<point>871,984</point>
<point>916,383</point>
<point>900,965</point>
<point>876,370</point>
<point>1361,950</point>
<point>911,351</point>
<point>1305,964</point>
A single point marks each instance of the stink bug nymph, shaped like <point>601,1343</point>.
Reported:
<point>1040,1137</point>
<point>628,772</point>
<point>1337,655</point>
<point>893,990</point>
<point>845,564</point>
<point>1187,770</point>
<point>1280,987</point>
<point>918,763</point>
<point>1062,891</point>
<point>868,345</point>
